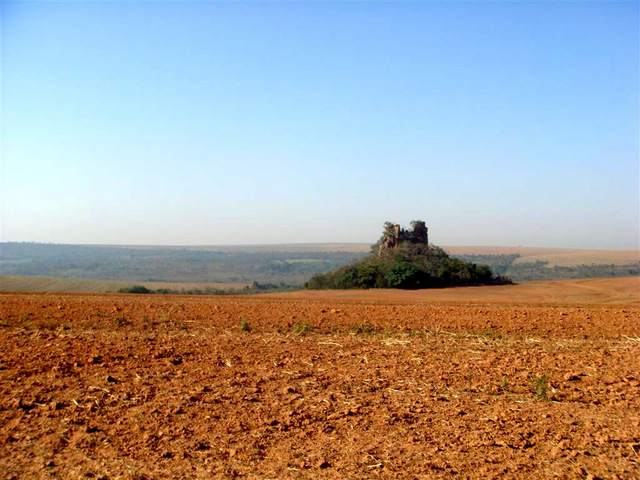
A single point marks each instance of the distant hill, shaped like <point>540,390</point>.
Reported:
<point>290,264</point>
<point>404,259</point>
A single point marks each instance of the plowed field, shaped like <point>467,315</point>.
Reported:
<point>317,386</point>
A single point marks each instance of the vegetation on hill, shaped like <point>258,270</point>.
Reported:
<point>404,259</point>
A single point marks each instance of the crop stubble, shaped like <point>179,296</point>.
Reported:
<point>108,386</point>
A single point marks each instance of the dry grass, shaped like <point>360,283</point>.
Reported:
<point>584,257</point>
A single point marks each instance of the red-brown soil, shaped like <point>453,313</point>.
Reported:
<point>125,386</point>
<point>581,291</point>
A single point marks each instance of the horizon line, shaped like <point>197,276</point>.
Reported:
<point>301,244</point>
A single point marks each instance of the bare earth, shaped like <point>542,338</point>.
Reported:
<point>521,383</point>
<point>588,290</point>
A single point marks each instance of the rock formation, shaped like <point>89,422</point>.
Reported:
<point>393,235</point>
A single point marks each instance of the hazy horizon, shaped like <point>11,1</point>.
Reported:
<point>321,246</point>
<point>222,124</point>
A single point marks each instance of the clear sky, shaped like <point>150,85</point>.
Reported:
<point>498,123</point>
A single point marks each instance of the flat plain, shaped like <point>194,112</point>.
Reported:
<point>538,380</point>
<point>563,257</point>
<point>26,283</point>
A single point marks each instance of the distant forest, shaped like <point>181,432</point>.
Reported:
<point>166,264</point>
<point>157,264</point>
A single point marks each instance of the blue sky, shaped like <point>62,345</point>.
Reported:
<point>498,123</point>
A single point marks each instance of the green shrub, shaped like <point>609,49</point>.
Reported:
<point>134,289</point>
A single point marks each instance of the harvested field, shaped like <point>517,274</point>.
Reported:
<point>322,386</point>
<point>563,257</point>
<point>587,290</point>
<point>588,257</point>
<point>24,283</point>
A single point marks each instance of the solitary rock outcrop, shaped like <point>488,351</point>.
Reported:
<point>393,235</point>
